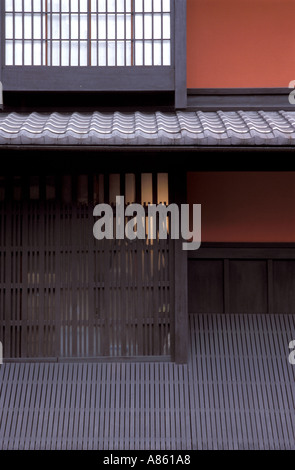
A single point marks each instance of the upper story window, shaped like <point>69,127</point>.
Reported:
<point>94,45</point>
<point>88,33</point>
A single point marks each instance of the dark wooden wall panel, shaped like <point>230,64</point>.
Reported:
<point>205,286</point>
<point>284,286</point>
<point>248,286</point>
<point>250,279</point>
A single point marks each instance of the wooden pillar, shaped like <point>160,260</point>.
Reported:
<point>181,333</point>
<point>2,50</point>
<point>177,194</point>
<point>180,55</point>
<point>1,95</point>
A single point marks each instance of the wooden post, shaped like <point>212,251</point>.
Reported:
<point>1,95</point>
<point>226,292</point>
<point>270,286</point>
<point>8,284</point>
<point>180,54</point>
<point>181,310</point>
<point>181,335</point>
<point>2,49</point>
<point>91,281</point>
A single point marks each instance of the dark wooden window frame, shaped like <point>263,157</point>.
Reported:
<point>105,78</point>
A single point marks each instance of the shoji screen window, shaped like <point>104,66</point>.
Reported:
<point>88,32</point>
<point>114,45</point>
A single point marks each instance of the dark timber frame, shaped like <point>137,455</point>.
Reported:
<point>235,99</point>
<point>105,78</point>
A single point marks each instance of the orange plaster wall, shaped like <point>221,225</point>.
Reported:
<point>245,206</point>
<point>240,43</point>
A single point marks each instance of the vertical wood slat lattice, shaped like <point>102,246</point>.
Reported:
<point>64,294</point>
<point>236,393</point>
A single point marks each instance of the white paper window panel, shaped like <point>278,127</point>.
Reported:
<point>67,35</point>
<point>107,53</point>
<point>152,5</point>
<point>152,26</point>
<point>103,53</point>
<point>65,55</point>
<point>82,5</point>
<point>147,26</point>
<point>107,27</point>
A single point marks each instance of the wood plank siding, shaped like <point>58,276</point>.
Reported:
<point>242,278</point>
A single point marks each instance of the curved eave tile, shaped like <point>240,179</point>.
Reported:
<point>185,128</point>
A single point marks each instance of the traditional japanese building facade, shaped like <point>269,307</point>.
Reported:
<point>138,343</point>
<point>158,101</point>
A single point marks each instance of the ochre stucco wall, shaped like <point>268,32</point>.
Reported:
<point>245,206</point>
<point>240,43</point>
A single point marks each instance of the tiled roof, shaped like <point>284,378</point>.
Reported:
<point>184,128</point>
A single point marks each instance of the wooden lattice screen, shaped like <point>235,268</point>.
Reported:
<point>64,294</point>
